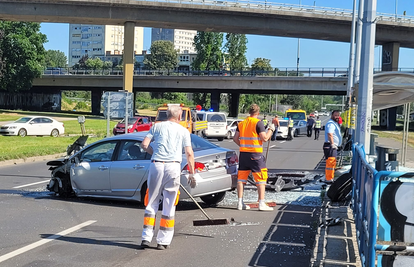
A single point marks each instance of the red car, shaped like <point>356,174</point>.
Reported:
<point>135,124</point>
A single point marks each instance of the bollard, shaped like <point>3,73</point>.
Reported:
<point>386,158</point>
<point>373,144</point>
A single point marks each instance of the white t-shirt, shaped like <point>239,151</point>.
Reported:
<point>168,140</point>
<point>333,128</point>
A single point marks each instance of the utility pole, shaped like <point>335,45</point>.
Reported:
<point>365,91</point>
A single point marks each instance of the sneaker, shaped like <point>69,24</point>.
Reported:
<point>145,244</point>
<point>162,247</point>
<point>242,206</point>
<point>265,207</point>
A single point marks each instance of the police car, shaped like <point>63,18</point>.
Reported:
<point>282,131</point>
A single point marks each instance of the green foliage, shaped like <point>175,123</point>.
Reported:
<point>55,58</point>
<point>202,99</point>
<point>82,106</point>
<point>107,65</point>
<point>21,55</point>
<point>81,63</point>
<point>94,63</point>
<point>209,54</point>
<point>163,56</point>
<point>236,47</point>
<point>261,65</point>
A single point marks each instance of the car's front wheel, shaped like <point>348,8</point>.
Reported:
<point>54,133</point>
<point>296,133</point>
<point>22,132</point>
<point>213,199</point>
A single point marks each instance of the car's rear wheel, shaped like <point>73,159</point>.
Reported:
<point>228,135</point>
<point>54,133</point>
<point>22,132</point>
<point>213,199</point>
<point>220,138</point>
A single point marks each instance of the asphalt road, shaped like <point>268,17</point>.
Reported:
<point>39,229</point>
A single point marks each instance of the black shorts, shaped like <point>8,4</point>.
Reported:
<point>254,162</point>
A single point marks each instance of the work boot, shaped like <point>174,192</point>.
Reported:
<point>162,247</point>
<point>242,206</point>
<point>145,244</point>
<point>264,207</point>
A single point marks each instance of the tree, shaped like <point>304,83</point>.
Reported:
<point>22,53</point>
<point>163,56</point>
<point>55,58</point>
<point>261,65</point>
<point>81,63</point>
<point>236,49</point>
<point>94,63</point>
<point>209,54</point>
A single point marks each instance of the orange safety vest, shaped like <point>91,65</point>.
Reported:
<point>249,139</point>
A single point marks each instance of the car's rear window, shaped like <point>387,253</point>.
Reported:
<point>199,143</point>
<point>216,117</point>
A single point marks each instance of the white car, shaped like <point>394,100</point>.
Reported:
<point>33,125</point>
<point>231,127</point>
<point>282,131</point>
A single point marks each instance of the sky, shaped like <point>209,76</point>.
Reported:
<point>282,51</point>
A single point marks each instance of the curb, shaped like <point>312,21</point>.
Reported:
<point>31,159</point>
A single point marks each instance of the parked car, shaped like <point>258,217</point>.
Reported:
<point>216,124</point>
<point>135,124</point>
<point>33,125</point>
<point>116,167</point>
<point>282,131</point>
<point>231,127</point>
<point>300,127</point>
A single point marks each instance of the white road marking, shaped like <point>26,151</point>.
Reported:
<point>44,241</point>
<point>282,142</point>
<point>25,185</point>
<point>272,146</point>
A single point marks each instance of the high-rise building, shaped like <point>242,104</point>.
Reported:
<point>98,40</point>
<point>183,40</point>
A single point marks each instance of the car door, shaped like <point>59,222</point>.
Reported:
<point>130,169</point>
<point>302,127</point>
<point>46,126</point>
<point>34,127</point>
<point>91,175</point>
<point>146,124</point>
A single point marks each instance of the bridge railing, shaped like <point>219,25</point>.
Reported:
<point>291,72</point>
<point>383,211</point>
<point>265,5</point>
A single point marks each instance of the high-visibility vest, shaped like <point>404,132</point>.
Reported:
<point>318,124</point>
<point>249,139</point>
<point>291,123</point>
<point>265,122</point>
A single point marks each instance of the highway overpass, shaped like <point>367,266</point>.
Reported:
<point>261,18</point>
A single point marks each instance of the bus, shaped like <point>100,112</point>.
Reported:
<point>296,114</point>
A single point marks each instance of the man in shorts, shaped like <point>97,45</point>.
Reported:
<point>250,135</point>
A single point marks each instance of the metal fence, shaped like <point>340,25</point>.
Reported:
<point>382,203</point>
<point>292,72</point>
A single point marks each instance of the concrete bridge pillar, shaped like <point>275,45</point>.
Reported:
<point>128,55</point>
<point>96,96</point>
<point>234,104</point>
<point>215,100</point>
<point>390,56</point>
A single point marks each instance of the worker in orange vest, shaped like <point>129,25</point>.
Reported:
<point>333,140</point>
<point>250,135</point>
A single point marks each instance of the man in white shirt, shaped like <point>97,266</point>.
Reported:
<point>333,140</point>
<point>167,140</point>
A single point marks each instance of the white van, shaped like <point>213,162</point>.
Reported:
<point>216,124</point>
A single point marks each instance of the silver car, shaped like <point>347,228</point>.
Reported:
<point>300,127</point>
<point>117,168</point>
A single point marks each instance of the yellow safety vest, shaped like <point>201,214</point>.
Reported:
<point>318,124</point>
<point>291,123</point>
<point>249,139</point>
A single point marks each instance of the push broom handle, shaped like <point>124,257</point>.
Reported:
<point>198,205</point>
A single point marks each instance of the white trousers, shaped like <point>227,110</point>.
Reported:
<point>163,181</point>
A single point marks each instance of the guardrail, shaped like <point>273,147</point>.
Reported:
<point>292,72</point>
<point>383,211</point>
<point>265,5</point>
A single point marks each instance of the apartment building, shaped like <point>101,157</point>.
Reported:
<point>99,40</point>
<point>183,40</point>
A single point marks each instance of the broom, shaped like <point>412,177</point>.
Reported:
<point>209,220</point>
